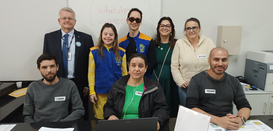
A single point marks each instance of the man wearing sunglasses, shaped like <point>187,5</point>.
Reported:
<point>137,42</point>
<point>71,48</point>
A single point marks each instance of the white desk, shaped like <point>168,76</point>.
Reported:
<point>260,101</point>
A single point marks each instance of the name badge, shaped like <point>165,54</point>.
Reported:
<point>69,56</point>
<point>210,91</point>
<point>60,98</point>
<point>138,93</point>
<point>202,56</point>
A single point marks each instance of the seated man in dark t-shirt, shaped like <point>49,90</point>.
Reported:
<point>212,92</point>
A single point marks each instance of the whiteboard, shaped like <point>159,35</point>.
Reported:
<point>25,22</point>
<point>92,14</point>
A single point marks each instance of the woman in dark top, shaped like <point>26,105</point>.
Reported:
<point>165,42</point>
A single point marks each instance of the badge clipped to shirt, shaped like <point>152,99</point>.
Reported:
<point>210,91</point>
<point>60,98</point>
<point>138,93</point>
<point>78,44</point>
<point>69,56</point>
<point>202,56</point>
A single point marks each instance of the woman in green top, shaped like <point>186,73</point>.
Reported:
<point>165,42</point>
<point>137,96</point>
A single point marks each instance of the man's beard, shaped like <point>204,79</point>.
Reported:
<point>50,79</point>
<point>218,73</point>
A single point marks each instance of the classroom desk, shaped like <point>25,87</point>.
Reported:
<point>267,119</point>
<point>77,125</point>
<point>86,125</point>
<point>10,108</point>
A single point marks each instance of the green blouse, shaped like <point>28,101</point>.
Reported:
<point>132,99</point>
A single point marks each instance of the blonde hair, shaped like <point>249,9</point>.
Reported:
<point>68,9</point>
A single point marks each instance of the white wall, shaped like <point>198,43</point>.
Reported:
<point>256,17</point>
<point>24,23</point>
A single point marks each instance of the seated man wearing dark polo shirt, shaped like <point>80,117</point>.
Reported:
<point>48,99</point>
<point>212,92</point>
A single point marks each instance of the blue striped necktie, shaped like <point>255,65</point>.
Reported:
<point>65,55</point>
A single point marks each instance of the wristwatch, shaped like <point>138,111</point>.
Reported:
<point>243,119</point>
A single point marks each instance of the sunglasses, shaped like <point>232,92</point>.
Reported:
<point>132,19</point>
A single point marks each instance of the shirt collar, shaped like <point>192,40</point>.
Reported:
<point>108,48</point>
<point>71,33</point>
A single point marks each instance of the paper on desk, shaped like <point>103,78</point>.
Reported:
<point>55,129</point>
<point>19,93</point>
<point>6,127</point>
<point>190,120</point>
<point>250,125</point>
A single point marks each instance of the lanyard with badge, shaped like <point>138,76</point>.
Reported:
<point>68,47</point>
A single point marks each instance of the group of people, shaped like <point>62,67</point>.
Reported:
<point>133,77</point>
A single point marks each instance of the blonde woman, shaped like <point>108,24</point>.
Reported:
<point>107,63</point>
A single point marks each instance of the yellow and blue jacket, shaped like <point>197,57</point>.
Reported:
<point>142,43</point>
<point>102,73</point>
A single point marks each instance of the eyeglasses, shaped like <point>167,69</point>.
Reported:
<point>64,18</point>
<point>167,26</point>
<point>188,29</point>
<point>132,19</point>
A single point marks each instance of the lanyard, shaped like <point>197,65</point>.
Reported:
<point>68,46</point>
<point>157,77</point>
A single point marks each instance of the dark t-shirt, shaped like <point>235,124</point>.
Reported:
<point>215,96</point>
<point>131,48</point>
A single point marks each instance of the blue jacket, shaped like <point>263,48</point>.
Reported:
<point>145,46</point>
<point>142,43</point>
<point>107,70</point>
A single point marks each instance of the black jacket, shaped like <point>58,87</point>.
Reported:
<point>53,46</point>
<point>152,102</point>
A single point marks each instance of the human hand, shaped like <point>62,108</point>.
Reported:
<point>158,126</point>
<point>85,92</point>
<point>236,119</point>
<point>228,123</point>
<point>93,98</point>
<point>229,115</point>
<point>185,84</point>
<point>112,117</point>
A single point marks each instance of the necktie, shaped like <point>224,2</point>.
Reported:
<point>65,55</point>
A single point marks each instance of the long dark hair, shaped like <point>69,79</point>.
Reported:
<point>172,40</point>
<point>114,44</point>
